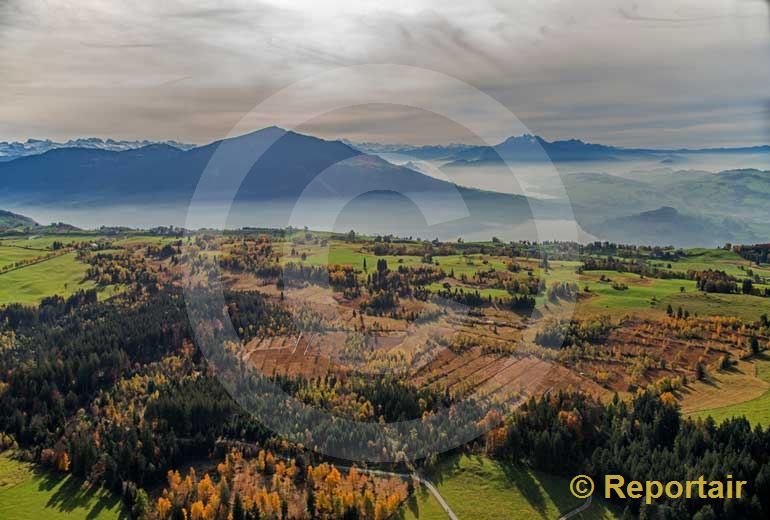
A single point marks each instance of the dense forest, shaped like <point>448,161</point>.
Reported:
<point>115,393</point>
<point>645,439</point>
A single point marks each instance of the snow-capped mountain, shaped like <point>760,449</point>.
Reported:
<point>14,150</point>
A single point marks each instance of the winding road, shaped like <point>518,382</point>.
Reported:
<point>578,510</point>
<point>436,495</point>
<point>448,510</point>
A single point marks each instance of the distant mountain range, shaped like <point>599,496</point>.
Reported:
<point>287,171</point>
<point>14,150</point>
<point>288,163</point>
<point>283,168</point>
<point>533,148</point>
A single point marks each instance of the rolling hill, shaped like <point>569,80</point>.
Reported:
<point>666,225</point>
<point>733,193</point>
<point>686,208</point>
<point>9,220</point>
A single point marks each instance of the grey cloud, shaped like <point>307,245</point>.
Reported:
<point>594,70</point>
<point>97,45</point>
<point>632,14</point>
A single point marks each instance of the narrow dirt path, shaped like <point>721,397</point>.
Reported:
<point>578,510</point>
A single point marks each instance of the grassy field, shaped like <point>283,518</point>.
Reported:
<point>27,494</point>
<point>341,254</point>
<point>62,275</point>
<point>757,410</point>
<point>639,295</point>
<point>494,293</point>
<point>10,254</point>
<point>478,487</point>
<point>469,265</point>
<point>134,240</point>
<point>706,304</point>
<point>422,506</point>
<point>46,241</point>
<point>723,388</point>
<point>702,259</point>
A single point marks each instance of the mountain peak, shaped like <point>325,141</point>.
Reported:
<point>523,138</point>
<point>662,212</point>
<point>268,131</point>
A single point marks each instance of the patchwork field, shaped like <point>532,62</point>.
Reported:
<point>638,353</point>
<point>29,494</point>
<point>503,378</point>
<point>626,359</point>
<point>650,296</point>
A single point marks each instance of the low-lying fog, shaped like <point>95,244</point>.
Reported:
<point>543,180</point>
<point>429,222</point>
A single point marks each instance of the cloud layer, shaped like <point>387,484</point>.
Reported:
<point>657,73</point>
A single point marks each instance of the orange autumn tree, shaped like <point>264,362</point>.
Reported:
<point>63,461</point>
<point>273,488</point>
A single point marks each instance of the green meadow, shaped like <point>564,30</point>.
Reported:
<point>353,255</point>
<point>133,240</point>
<point>62,275</point>
<point>46,241</point>
<point>639,294</point>
<point>484,292</point>
<point>9,255</point>
<point>705,304</point>
<point>469,265</point>
<point>699,259</point>
<point>479,487</point>
<point>336,254</point>
<point>30,494</point>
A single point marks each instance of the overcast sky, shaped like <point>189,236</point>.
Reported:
<point>652,73</point>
